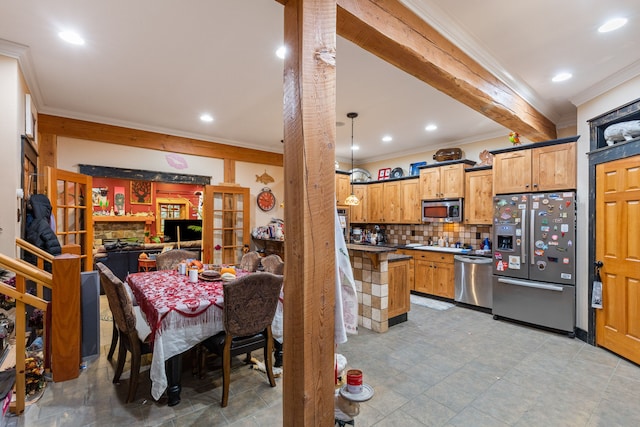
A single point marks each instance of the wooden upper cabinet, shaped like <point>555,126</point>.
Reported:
<point>547,168</point>
<point>443,182</point>
<point>392,200</point>
<point>512,172</point>
<point>478,197</point>
<point>375,202</point>
<point>554,167</point>
<point>359,212</point>
<point>343,189</point>
<point>410,202</point>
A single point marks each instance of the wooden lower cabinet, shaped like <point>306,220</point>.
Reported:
<point>399,291</point>
<point>433,273</point>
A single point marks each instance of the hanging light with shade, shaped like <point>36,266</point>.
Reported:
<point>352,200</point>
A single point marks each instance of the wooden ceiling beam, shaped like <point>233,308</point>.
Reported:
<point>79,129</point>
<point>391,31</point>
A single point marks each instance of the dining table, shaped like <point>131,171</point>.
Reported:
<point>180,314</point>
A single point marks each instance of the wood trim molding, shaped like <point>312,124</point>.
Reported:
<point>73,128</point>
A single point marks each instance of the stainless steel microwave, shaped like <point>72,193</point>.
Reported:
<point>449,210</point>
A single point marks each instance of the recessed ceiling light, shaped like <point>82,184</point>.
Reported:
<point>612,25</point>
<point>387,138</point>
<point>431,128</point>
<point>355,147</point>
<point>206,117</point>
<point>71,37</point>
<point>560,77</point>
<point>281,52</point>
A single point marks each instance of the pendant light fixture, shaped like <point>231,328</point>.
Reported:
<point>352,200</point>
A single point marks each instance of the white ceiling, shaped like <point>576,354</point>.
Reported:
<point>157,65</point>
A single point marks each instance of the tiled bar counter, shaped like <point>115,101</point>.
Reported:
<point>371,273</point>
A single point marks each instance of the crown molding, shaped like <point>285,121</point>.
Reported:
<point>605,85</point>
<point>433,15</point>
<point>21,53</point>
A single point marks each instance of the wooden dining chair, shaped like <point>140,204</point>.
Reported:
<point>132,328</point>
<point>249,307</point>
<point>250,261</point>
<point>273,264</point>
<point>169,260</point>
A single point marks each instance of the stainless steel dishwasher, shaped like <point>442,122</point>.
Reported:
<point>473,280</point>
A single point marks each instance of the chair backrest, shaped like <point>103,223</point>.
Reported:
<point>250,261</point>
<point>169,260</point>
<point>118,298</point>
<point>250,303</point>
<point>273,264</point>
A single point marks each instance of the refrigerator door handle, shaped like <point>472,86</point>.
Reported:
<point>532,230</point>
<point>528,284</point>
<point>523,246</point>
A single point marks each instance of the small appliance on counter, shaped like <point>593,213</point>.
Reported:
<point>356,235</point>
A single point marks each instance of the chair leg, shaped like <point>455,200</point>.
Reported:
<point>114,341</point>
<point>122,356</point>
<point>135,371</point>
<point>268,359</point>
<point>277,354</point>
<point>226,371</point>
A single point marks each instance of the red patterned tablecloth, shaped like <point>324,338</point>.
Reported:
<point>159,293</point>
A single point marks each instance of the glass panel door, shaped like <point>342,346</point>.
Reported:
<point>225,224</point>
<point>68,192</point>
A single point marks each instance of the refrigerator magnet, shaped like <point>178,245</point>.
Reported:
<point>565,260</point>
<point>514,262</point>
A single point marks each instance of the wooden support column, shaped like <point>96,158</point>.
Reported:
<point>309,153</point>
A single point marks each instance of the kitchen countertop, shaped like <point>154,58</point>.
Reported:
<point>371,248</point>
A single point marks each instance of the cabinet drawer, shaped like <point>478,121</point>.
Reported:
<point>433,256</point>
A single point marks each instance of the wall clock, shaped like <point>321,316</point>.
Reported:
<point>266,200</point>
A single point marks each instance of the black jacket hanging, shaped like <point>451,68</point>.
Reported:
<point>39,232</point>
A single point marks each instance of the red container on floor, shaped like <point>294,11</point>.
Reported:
<point>354,381</point>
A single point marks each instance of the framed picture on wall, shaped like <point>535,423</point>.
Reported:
<point>141,192</point>
<point>30,120</point>
<point>99,196</point>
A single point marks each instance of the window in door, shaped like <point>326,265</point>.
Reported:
<point>170,208</point>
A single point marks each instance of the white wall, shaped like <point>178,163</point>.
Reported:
<point>72,152</point>
<point>246,176</point>
<point>470,151</point>
<point>610,100</point>
<point>12,101</point>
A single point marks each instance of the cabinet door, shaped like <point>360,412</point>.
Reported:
<point>452,181</point>
<point>342,188</point>
<point>392,199</point>
<point>512,172</point>
<point>443,279</point>
<point>359,212</point>
<point>410,202</point>
<point>375,203</point>
<point>478,202</point>
<point>430,183</point>
<point>399,293</point>
<point>423,280</point>
<point>554,167</point>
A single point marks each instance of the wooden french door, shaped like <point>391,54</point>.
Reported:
<point>70,195</point>
<point>618,247</point>
<point>225,224</point>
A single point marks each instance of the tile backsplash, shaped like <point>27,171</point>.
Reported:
<point>402,234</point>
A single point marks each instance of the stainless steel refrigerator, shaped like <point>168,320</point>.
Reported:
<point>534,259</point>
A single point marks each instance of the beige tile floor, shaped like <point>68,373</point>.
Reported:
<point>456,367</point>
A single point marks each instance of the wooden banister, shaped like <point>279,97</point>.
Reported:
<point>23,244</point>
<point>65,337</point>
<point>22,299</point>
